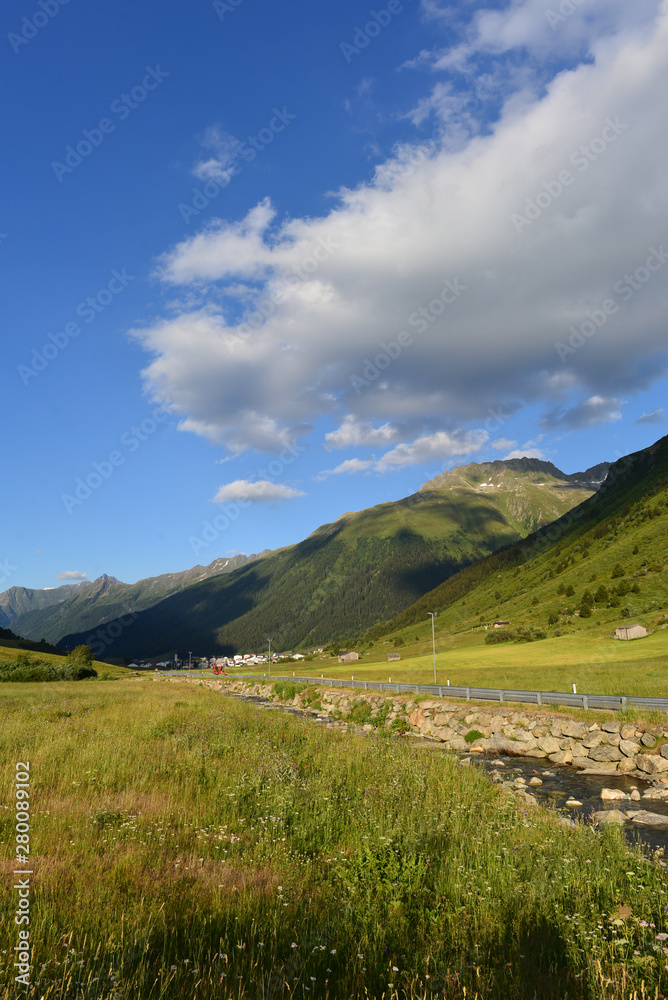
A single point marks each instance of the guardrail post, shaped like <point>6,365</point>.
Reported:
<point>501,696</point>
<point>585,702</point>
<point>468,694</point>
<point>539,698</point>
<point>417,688</point>
<point>440,692</point>
<point>623,704</point>
<point>398,691</point>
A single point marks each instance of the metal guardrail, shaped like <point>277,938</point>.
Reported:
<point>606,702</point>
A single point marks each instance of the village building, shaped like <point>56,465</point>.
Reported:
<point>348,656</point>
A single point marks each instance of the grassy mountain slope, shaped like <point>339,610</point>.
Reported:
<point>614,546</point>
<point>362,568</point>
<point>103,600</point>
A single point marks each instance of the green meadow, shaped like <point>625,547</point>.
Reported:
<point>187,845</point>
<point>592,660</point>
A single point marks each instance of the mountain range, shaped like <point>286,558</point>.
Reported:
<point>361,570</point>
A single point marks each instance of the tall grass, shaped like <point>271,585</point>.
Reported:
<point>190,846</point>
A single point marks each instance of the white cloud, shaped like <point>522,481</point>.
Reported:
<point>337,291</point>
<point>225,148</point>
<point>71,574</point>
<point>502,444</point>
<point>432,447</point>
<point>588,413</point>
<point>353,433</point>
<point>261,491</point>
<point>655,417</point>
<point>524,453</point>
<point>351,465</point>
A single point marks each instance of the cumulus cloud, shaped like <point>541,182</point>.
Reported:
<point>655,417</point>
<point>224,149</point>
<point>351,465</point>
<point>525,453</point>
<point>71,574</point>
<point>502,444</point>
<point>588,413</point>
<point>261,491</point>
<point>335,292</point>
<point>432,447</point>
<point>354,432</point>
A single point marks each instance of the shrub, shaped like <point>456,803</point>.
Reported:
<point>553,618</point>
<point>585,610</point>
<point>601,595</point>
<point>617,571</point>
<point>473,735</point>
<point>570,590</point>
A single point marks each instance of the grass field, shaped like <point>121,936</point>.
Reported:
<point>186,845</point>
<point>593,661</point>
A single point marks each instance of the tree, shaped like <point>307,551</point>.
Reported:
<point>570,590</point>
<point>81,656</point>
<point>601,595</point>
<point>588,598</point>
<point>617,571</point>
<point>585,610</point>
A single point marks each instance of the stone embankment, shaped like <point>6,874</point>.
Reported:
<point>605,747</point>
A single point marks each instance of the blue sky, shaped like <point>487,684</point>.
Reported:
<point>265,263</point>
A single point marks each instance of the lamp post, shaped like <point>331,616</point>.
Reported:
<point>432,615</point>
<point>190,660</point>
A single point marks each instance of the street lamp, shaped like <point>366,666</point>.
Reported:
<point>190,660</point>
<point>432,614</point>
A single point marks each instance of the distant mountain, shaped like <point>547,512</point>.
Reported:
<point>614,545</point>
<point>19,600</point>
<point>363,568</point>
<point>92,604</point>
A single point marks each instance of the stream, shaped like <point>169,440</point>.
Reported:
<point>559,783</point>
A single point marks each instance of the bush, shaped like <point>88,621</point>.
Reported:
<point>286,690</point>
<point>585,610</point>
<point>553,618</point>
<point>26,669</point>
<point>617,571</point>
<point>570,590</point>
<point>474,735</point>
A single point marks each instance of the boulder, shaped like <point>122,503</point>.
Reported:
<point>535,781</point>
<point>626,765</point>
<point>575,729</point>
<point>645,818</point>
<point>629,747</point>
<point>648,740</point>
<point>593,740</point>
<point>663,750</point>
<point>615,816</point>
<point>561,757</point>
<point>535,752</point>
<point>651,763</point>
<point>447,733</point>
<point>496,725</point>
<point>605,753</point>
<point>442,719</point>
<point>500,744</point>
<point>628,732</point>
<point>611,727</point>
<point>612,794</point>
<point>549,744</point>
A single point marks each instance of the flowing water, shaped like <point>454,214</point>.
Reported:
<point>559,784</point>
